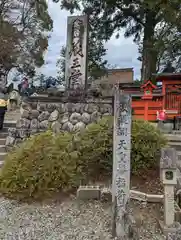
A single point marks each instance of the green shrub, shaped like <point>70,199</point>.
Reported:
<point>146,142</point>
<point>42,164</point>
<point>46,163</point>
<point>95,147</point>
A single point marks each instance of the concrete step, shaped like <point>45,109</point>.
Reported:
<point>9,124</point>
<point>2,156</point>
<point>2,141</point>
<point>179,153</point>
<point>2,148</point>
<point>1,163</point>
<point>173,137</point>
<point>176,132</point>
<point>4,130</point>
<point>3,135</point>
<point>176,145</point>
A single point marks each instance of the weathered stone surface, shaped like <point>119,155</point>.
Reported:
<point>75,118</point>
<point>22,133</point>
<point>56,127</point>
<point>86,118</point>
<point>82,106</point>
<point>34,124</point>
<point>12,132</point>
<point>54,116</point>
<point>79,127</point>
<point>10,141</point>
<point>67,126</point>
<point>95,116</point>
<point>64,118</point>
<point>41,107</point>
<point>61,108</point>
<point>33,105</point>
<point>61,116</point>
<point>26,106</point>
<point>88,193</point>
<point>44,124</point>
<point>90,108</point>
<point>106,114</point>
<point>34,114</point>
<point>50,107</point>
<point>23,123</point>
<point>44,116</point>
<point>77,107</point>
<point>25,113</point>
<point>70,107</point>
<point>105,108</point>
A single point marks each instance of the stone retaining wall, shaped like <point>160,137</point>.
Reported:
<point>71,116</point>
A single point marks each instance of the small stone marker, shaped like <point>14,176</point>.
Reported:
<point>121,157</point>
<point>88,192</point>
<point>168,175</point>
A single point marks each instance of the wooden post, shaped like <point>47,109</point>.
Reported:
<point>168,176</point>
<point>121,156</point>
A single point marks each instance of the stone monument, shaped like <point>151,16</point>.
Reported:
<point>121,157</point>
<point>76,52</point>
<point>168,176</point>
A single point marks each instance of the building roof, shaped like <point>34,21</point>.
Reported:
<point>167,76</point>
<point>120,70</point>
<point>148,83</point>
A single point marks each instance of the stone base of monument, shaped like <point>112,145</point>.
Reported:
<point>104,194</point>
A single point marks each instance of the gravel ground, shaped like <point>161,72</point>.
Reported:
<point>68,220</point>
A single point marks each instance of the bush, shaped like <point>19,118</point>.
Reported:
<point>46,163</point>
<point>146,143</point>
<point>95,147</point>
<point>41,164</point>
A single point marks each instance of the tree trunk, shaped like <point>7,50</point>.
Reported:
<point>149,55</point>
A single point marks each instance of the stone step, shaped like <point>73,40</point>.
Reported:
<point>2,156</point>
<point>2,148</point>
<point>1,163</point>
<point>2,141</point>
<point>176,145</point>
<point>177,132</point>
<point>3,134</point>
<point>9,124</point>
<point>173,138</point>
<point>4,130</point>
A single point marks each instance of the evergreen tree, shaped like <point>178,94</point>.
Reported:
<point>140,19</point>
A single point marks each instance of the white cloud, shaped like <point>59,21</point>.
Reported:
<point>121,52</point>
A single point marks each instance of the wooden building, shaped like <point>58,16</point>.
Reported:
<point>149,98</point>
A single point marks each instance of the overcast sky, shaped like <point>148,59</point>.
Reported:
<point>121,52</point>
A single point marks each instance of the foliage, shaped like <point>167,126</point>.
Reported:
<point>23,34</point>
<point>61,65</point>
<point>41,165</point>
<point>46,163</point>
<point>140,19</point>
<point>95,149</point>
<point>46,81</point>
<point>146,141</point>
